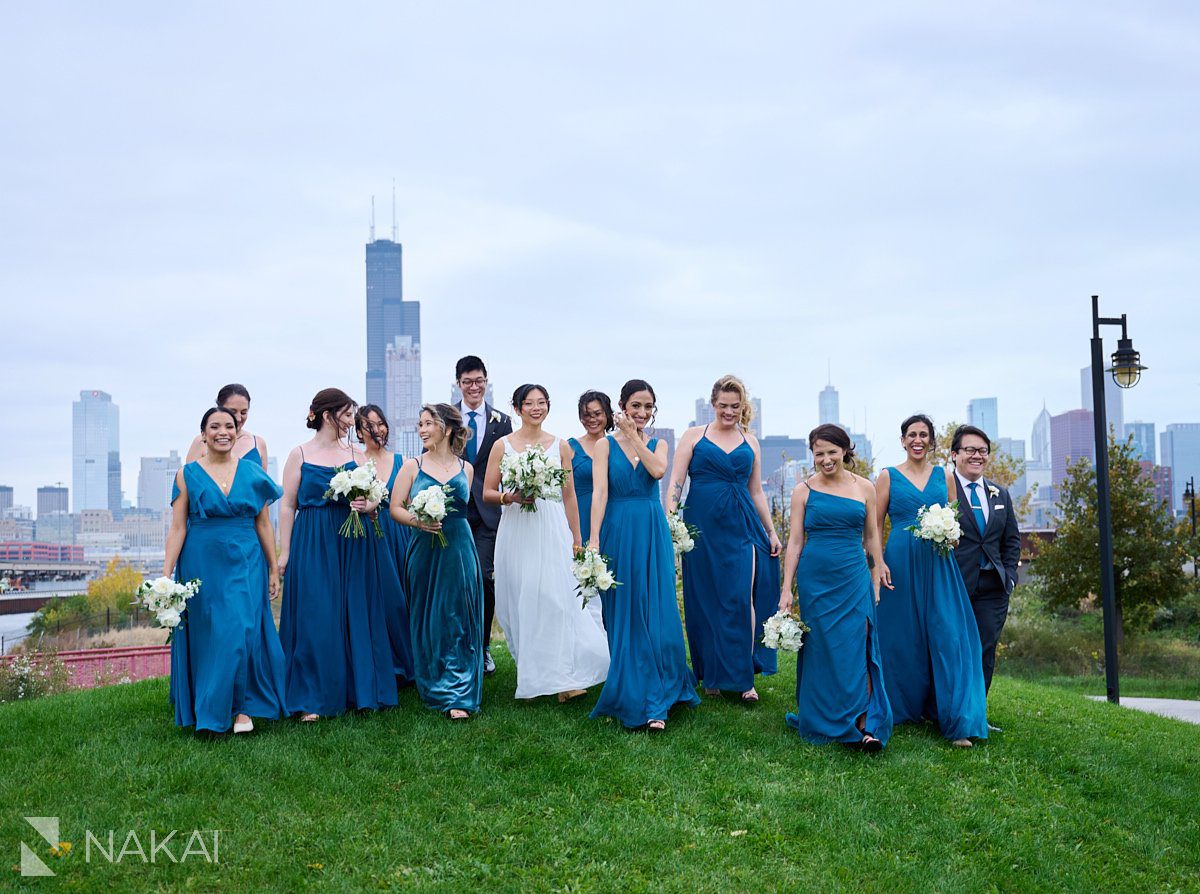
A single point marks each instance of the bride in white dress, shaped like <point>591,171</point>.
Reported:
<point>559,647</point>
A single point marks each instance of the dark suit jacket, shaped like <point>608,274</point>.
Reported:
<point>1000,542</point>
<point>480,514</point>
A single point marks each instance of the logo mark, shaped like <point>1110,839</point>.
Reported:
<point>31,863</point>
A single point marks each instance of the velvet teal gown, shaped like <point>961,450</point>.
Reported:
<point>333,626</point>
<point>648,672</point>
<point>838,675</point>
<point>388,555</point>
<point>581,477</point>
<point>445,605</point>
<point>730,580</point>
<point>932,664</point>
<point>225,656</point>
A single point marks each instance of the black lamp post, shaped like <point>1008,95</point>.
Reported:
<point>1189,494</point>
<point>1126,370</point>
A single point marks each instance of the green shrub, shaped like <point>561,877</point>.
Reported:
<point>25,676</point>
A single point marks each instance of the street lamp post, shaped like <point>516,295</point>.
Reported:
<point>1189,494</point>
<point>1126,370</point>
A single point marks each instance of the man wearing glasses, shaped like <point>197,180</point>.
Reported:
<point>486,425</point>
<point>990,548</point>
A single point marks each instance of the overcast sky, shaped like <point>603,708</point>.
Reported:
<point>921,196</point>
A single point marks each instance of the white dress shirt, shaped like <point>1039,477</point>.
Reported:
<point>480,421</point>
<point>965,494</point>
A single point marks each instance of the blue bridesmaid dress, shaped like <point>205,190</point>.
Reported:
<point>252,455</point>
<point>932,664</point>
<point>648,673</point>
<point>225,657</point>
<point>445,605</point>
<point>387,559</point>
<point>332,626</point>
<point>838,676</point>
<point>581,476</point>
<point>730,580</point>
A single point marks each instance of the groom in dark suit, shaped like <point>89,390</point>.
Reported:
<point>990,548</point>
<point>486,425</point>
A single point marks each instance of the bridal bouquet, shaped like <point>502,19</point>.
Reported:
<point>939,525</point>
<point>532,475</point>
<point>785,631</point>
<point>683,535</point>
<point>592,574</point>
<point>353,484</point>
<point>167,599</point>
<point>429,507</point>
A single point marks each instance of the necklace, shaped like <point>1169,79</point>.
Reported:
<point>223,484</point>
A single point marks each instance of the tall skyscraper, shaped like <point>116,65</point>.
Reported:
<point>155,478</point>
<point>1144,448</point>
<point>6,497</point>
<point>1181,453</point>
<point>1039,441</point>
<point>402,363</point>
<point>52,498</point>
<point>1015,448</point>
<point>1072,437</point>
<point>1114,400</point>
<point>982,413</point>
<point>668,435</point>
<point>862,446</point>
<point>779,450</point>
<point>388,314</point>
<point>827,405</point>
<point>95,452</point>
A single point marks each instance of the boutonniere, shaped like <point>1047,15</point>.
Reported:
<point>993,491</point>
<point>495,415</point>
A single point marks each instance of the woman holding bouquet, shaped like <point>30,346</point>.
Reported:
<point>932,663</point>
<point>840,696</point>
<point>648,672</point>
<point>226,663</point>
<point>595,412</point>
<point>445,586</point>
<point>333,625</point>
<point>387,554</point>
<point>236,399</point>
<point>731,577</point>
<point>559,648</point>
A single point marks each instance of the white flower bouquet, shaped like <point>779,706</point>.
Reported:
<point>167,598</point>
<point>683,535</point>
<point>353,484</point>
<point>939,525</point>
<point>429,507</point>
<point>785,631</point>
<point>532,475</point>
<point>592,575</point>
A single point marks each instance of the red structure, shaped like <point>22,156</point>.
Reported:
<point>27,551</point>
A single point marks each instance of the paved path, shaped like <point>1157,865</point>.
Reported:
<point>1179,708</point>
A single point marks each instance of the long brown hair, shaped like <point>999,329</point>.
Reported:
<point>450,421</point>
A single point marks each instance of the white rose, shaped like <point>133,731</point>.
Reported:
<point>169,617</point>
<point>605,580</point>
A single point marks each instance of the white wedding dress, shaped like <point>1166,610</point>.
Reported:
<point>557,645</point>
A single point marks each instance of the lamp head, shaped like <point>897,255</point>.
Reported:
<point>1126,366</point>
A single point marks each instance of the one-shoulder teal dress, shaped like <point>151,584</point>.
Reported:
<point>838,676</point>
<point>932,660</point>
<point>648,673</point>
<point>333,625</point>
<point>445,605</point>
<point>581,477</point>
<point>225,657</point>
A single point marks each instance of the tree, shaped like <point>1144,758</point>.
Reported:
<point>1148,551</point>
<point>114,589</point>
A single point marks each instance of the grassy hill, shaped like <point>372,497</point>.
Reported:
<point>1073,796</point>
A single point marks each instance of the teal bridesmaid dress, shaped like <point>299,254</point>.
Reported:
<point>387,560</point>
<point>581,477</point>
<point>225,656</point>
<point>445,605</point>
<point>333,626</point>
<point>838,676</point>
<point>648,672</point>
<point>932,664</point>
<point>730,580</point>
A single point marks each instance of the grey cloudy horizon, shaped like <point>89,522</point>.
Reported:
<point>921,199</point>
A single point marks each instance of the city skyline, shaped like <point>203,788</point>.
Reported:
<point>956,184</point>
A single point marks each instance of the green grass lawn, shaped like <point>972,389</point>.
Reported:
<point>1073,796</point>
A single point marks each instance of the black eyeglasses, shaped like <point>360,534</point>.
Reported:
<point>974,451</point>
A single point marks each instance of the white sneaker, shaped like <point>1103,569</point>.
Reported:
<point>489,666</point>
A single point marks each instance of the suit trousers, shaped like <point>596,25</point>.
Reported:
<point>485,546</point>
<point>990,604</point>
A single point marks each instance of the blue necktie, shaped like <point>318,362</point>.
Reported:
<point>980,520</point>
<point>474,427</point>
